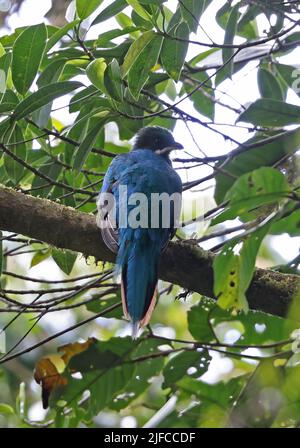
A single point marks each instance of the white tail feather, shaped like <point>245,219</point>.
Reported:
<point>135,326</point>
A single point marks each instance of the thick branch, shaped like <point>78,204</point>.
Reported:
<point>181,263</point>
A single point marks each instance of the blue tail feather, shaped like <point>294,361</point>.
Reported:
<point>139,261</point>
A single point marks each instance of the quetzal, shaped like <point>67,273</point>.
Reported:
<point>145,169</point>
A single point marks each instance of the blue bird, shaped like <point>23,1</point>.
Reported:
<point>146,169</point>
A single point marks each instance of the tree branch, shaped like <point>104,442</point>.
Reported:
<point>182,263</point>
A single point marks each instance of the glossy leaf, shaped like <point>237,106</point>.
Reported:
<point>191,363</point>
<point>51,169</point>
<point>135,4</point>
<point>5,73</point>
<point>102,373</point>
<point>264,154</point>
<point>9,101</point>
<point>50,75</point>
<point>198,322</point>
<point>191,11</point>
<point>145,372</point>
<point>86,8</point>
<point>64,259</point>
<point>260,187</point>
<point>230,32</point>
<point>13,168</point>
<point>268,85</point>
<point>135,49</point>
<point>290,76</point>
<point>49,370</point>
<point>61,32</point>
<point>289,224</point>
<point>1,252</point>
<point>95,72</point>
<point>28,51</point>
<point>233,271</point>
<point>146,60</point>
<point>269,112</point>
<point>173,51</point>
<point>110,11</point>
<point>113,81</point>
<point>87,143</point>
<point>43,96</point>
<point>39,257</point>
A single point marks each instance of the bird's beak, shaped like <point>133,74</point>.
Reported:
<point>177,146</point>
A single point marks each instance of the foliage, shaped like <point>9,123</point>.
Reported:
<point>140,73</point>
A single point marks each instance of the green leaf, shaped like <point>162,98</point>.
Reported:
<point>49,76</point>
<point>146,60</point>
<point>233,271</point>
<point>14,169</point>
<point>145,371</point>
<point>152,2</point>
<point>50,168</point>
<point>230,32</point>
<point>223,393</point>
<point>61,32</point>
<point>260,187</point>
<point>5,73</point>
<point>191,11</point>
<point>261,389</point>
<point>110,11</point>
<point>290,224</point>
<point>135,4</point>
<point>44,96</point>
<point>290,76</point>
<point>264,154</point>
<point>105,38</point>
<point>9,101</point>
<point>99,305</point>
<point>1,252</point>
<point>103,371</point>
<point>179,365</point>
<point>65,259</point>
<point>40,256</point>
<point>254,327</point>
<point>51,73</point>
<point>85,95</point>
<point>202,98</point>
<point>77,133</point>
<point>124,21</point>
<point>95,72</point>
<point>268,85</point>
<point>85,8</point>
<point>247,26</point>
<point>268,112</point>
<point>28,51</point>
<point>198,322</point>
<point>113,81</point>
<point>135,49</point>
<point>174,51</point>
<point>6,409</point>
<point>87,143</point>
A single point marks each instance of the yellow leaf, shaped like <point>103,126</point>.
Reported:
<point>49,370</point>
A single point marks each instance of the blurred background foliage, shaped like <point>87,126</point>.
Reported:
<point>77,87</point>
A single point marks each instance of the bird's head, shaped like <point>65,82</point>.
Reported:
<point>156,139</point>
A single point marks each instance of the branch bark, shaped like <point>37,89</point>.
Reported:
<point>182,263</point>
